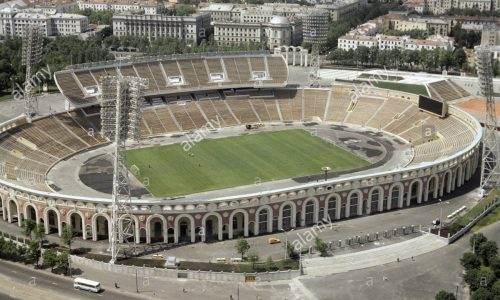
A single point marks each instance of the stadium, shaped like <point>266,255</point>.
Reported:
<point>229,148</point>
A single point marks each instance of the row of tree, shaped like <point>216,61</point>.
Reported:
<point>482,270</point>
<point>31,251</point>
<point>428,60</point>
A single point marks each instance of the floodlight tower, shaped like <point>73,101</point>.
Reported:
<point>314,79</point>
<point>490,171</point>
<point>121,102</point>
<point>31,54</point>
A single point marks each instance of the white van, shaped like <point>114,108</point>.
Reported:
<point>87,285</point>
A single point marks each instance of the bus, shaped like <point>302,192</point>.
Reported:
<point>87,285</point>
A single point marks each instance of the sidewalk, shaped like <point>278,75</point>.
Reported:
<point>374,257</point>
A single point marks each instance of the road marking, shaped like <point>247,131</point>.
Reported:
<point>54,283</point>
<point>13,271</point>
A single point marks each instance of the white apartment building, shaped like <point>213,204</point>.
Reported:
<point>384,42</point>
<point>56,6</point>
<point>13,22</point>
<point>193,27</point>
<point>150,7</point>
<point>277,32</point>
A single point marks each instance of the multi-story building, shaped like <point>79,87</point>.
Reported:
<point>277,32</point>
<point>347,42</point>
<point>385,42</point>
<point>315,26</point>
<point>192,28</point>
<point>222,12</point>
<point>439,7</point>
<point>55,6</point>
<point>475,23</point>
<point>227,17</point>
<point>342,10</point>
<point>13,23</point>
<point>490,36</point>
<point>149,7</point>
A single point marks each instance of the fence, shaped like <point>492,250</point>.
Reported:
<point>188,274</point>
<point>373,236</point>
<point>471,224</point>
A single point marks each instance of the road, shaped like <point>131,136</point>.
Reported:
<point>421,278</point>
<point>23,282</point>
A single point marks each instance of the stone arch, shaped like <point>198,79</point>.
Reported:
<point>122,224</point>
<point>50,222</point>
<point>208,230</point>
<point>446,183</point>
<point>29,208</point>
<point>3,208</point>
<point>73,222</point>
<point>354,209</point>
<point>332,207</point>
<point>310,211</point>
<point>13,211</point>
<point>290,220</point>
<point>263,224</point>
<point>396,196</point>
<point>468,171</point>
<point>432,187</point>
<point>178,231</point>
<point>457,182</point>
<point>233,214</point>
<point>414,192</point>
<point>375,200</point>
<point>96,227</point>
<point>162,228</point>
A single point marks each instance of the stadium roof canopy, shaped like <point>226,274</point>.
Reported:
<point>177,74</point>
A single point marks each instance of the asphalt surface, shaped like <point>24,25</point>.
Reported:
<point>46,285</point>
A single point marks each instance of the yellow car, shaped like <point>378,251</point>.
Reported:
<point>274,240</point>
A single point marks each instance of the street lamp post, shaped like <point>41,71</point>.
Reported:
<point>286,242</point>
<point>326,169</point>
<point>440,214</point>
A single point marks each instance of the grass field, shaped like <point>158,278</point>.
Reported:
<point>235,161</point>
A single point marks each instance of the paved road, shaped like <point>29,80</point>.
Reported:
<point>419,279</point>
<point>23,282</point>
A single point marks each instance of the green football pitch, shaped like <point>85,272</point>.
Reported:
<point>214,164</point>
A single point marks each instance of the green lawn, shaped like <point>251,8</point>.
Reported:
<point>403,87</point>
<point>234,161</point>
<point>478,209</point>
<point>380,77</point>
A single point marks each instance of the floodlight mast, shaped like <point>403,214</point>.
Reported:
<point>121,102</point>
<point>31,55</point>
<point>490,171</point>
<point>314,78</point>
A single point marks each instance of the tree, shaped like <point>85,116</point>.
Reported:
<point>476,240</point>
<point>477,278</point>
<point>321,246</point>
<point>67,238</point>
<point>487,250</point>
<point>32,252</point>
<point>482,294</point>
<point>62,261</point>
<point>495,265</point>
<point>242,246</point>
<point>470,261</point>
<point>495,289</point>
<point>270,264</point>
<point>290,251</point>
<point>253,257</point>
<point>444,295</point>
<point>28,226</point>
<point>50,258</point>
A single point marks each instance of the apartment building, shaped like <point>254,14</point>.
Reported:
<point>192,28</point>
